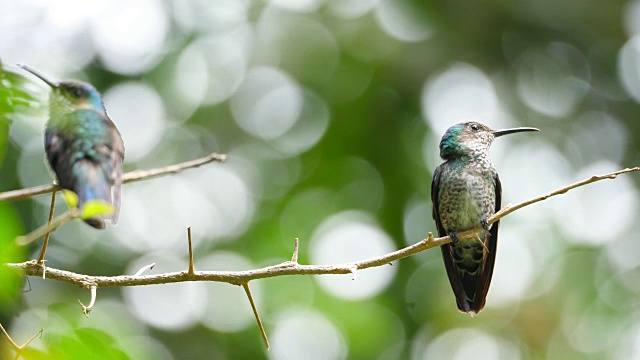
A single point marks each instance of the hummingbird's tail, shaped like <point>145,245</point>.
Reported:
<point>117,188</point>
<point>92,184</point>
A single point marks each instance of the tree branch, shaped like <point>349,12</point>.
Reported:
<point>14,345</point>
<point>133,176</point>
<point>31,268</point>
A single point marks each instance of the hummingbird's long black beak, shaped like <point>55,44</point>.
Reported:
<point>497,133</point>
<point>39,75</point>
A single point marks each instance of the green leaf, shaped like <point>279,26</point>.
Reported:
<point>93,208</point>
<point>71,197</point>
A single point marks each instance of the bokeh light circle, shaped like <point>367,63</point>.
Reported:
<point>227,308</point>
<point>460,93</point>
<point>130,39</point>
<point>268,103</point>
<point>138,112</point>
<point>351,236</point>
<point>306,334</point>
<point>170,306</point>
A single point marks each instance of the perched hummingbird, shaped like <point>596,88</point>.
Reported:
<point>465,192</point>
<point>83,146</point>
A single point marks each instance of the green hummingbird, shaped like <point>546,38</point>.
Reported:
<point>83,146</point>
<point>465,192</point>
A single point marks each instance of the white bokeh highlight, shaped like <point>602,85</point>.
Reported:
<point>352,9</point>
<point>346,237</point>
<point>268,103</point>
<point>309,129</point>
<point>306,334</point>
<point>547,87</point>
<point>629,65</point>
<point>138,112</point>
<point>461,93</point>
<point>514,268</point>
<point>401,20</point>
<point>214,200</point>
<point>609,210</point>
<point>302,6</point>
<point>460,344</point>
<point>170,306</point>
<point>130,37</point>
<point>220,16</point>
<point>227,308</point>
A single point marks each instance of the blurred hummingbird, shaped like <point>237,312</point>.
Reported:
<point>83,146</point>
<point>465,192</point>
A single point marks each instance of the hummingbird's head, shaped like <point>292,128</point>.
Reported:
<point>469,138</point>
<point>70,94</point>
<point>77,94</point>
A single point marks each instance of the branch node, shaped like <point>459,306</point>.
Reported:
<point>245,285</point>
<point>87,309</point>
<point>144,268</point>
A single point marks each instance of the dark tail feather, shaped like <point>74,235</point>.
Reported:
<point>91,184</point>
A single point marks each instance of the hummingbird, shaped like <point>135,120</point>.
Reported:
<point>83,146</point>
<point>465,192</point>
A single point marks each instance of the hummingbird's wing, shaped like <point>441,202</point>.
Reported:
<point>485,272</point>
<point>488,259</point>
<point>117,157</point>
<point>447,249</point>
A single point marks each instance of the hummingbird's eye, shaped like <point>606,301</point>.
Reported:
<point>475,127</point>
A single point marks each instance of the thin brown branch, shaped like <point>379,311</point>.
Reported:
<point>16,347</point>
<point>245,286</point>
<point>46,237</point>
<point>47,228</point>
<point>133,176</point>
<point>31,268</point>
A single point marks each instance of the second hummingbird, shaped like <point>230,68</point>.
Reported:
<point>83,146</point>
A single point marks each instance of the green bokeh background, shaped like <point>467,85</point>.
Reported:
<point>376,157</point>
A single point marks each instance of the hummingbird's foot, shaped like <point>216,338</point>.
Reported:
<point>454,238</point>
<point>485,224</point>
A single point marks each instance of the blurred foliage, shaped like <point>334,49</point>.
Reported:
<point>373,85</point>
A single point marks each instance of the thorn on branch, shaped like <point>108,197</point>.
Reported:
<point>245,286</point>
<point>44,268</point>
<point>484,246</point>
<point>294,258</point>
<point>191,265</point>
<point>144,268</point>
<point>87,309</point>
<point>354,271</point>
